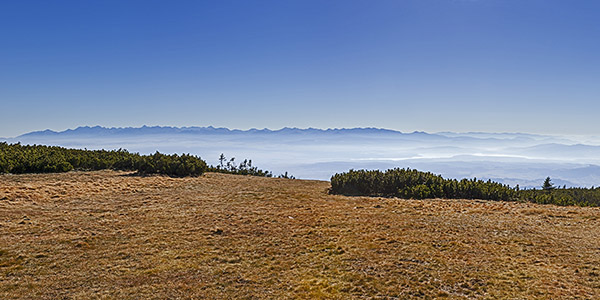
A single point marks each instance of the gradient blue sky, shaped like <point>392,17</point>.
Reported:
<point>432,65</point>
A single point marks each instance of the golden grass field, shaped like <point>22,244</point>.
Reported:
<point>107,235</point>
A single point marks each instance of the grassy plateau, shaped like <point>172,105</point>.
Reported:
<point>110,235</point>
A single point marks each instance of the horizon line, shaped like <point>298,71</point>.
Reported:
<point>293,128</point>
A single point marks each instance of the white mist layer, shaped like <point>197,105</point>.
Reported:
<point>513,158</point>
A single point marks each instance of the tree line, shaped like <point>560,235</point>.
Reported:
<point>410,183</point>
<point>20,159</point>
<point>407,183</point>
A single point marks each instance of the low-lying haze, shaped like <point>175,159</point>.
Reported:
<point>512,158</point>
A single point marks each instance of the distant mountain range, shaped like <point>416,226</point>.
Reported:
<point>370,133</point>
<point>512,158</point>
<point>152,130</point>
<point>149,130</point>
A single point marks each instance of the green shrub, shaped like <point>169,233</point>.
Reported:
<point>17,159</point>
<point>407,183</point>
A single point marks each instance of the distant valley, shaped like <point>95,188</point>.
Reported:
<point>511,158</point>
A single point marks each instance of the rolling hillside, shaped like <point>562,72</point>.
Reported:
<point>108,235</point>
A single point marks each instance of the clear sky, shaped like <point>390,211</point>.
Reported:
<point>432,65</point>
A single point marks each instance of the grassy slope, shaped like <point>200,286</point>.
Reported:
<point>86,235</point>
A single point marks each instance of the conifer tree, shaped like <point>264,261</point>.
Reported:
<point>548,185</point>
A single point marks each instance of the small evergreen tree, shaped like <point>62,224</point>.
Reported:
<point>548,185</point>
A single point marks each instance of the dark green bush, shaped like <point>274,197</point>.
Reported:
<point>18,159</point>
<point>407,183</point>
<point>563,196</point>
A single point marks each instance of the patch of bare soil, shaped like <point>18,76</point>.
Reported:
<point>104,235</point>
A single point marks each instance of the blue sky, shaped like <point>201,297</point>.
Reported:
<point>432,65</point>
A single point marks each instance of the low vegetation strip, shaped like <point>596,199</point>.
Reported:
<point>20,159</point>
<point>563,196</point>
<point>23,159</point>
<point>407,183</point>
<point>413,184</point>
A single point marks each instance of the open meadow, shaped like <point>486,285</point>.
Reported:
<point>111,235</point>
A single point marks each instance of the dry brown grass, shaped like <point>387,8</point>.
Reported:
<point>103,235</point>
